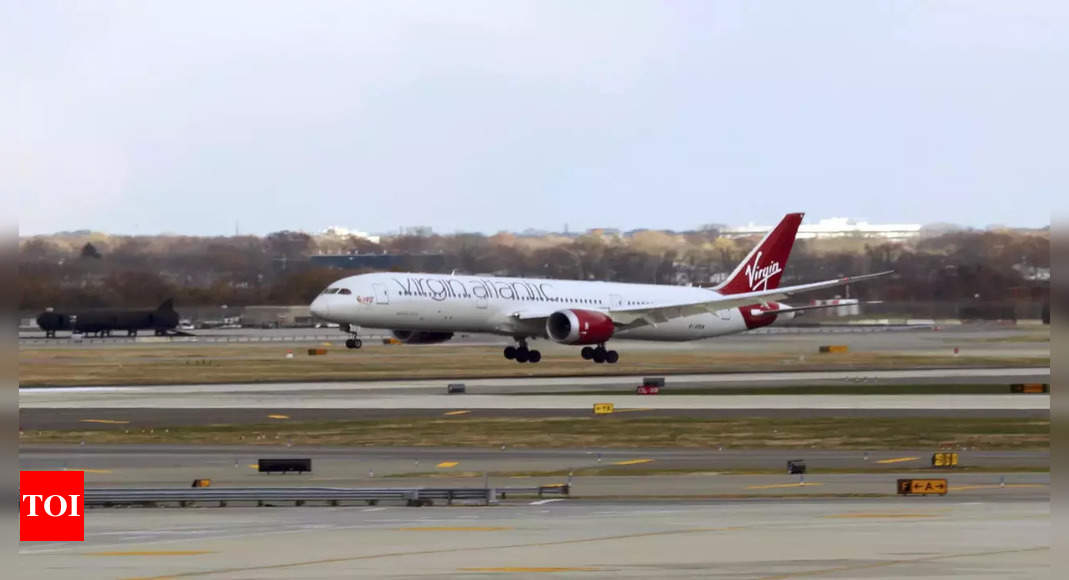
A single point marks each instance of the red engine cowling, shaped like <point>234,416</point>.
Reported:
<point>579,326</point>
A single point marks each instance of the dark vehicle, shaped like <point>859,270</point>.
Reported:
<point>102,322</point>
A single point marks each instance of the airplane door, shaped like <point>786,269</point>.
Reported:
<point>381,297</point>
<point>616,301</point>
<point>480,302</point>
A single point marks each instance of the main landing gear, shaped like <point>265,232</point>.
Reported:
<point>599,354</point>
<point>521,354</point>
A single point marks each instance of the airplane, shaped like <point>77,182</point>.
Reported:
<point>102,322</point>
<point>427,308</point>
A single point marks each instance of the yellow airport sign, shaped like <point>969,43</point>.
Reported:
<point>603,408</point>
<point>944,459</point>
<point>922,487</point>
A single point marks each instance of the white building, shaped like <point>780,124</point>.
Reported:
<point>340,232</point>
<point>834,228</point>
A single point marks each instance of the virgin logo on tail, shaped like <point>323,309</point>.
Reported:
<point>758,277</point>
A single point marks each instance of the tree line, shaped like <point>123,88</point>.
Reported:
<point>80,270</point>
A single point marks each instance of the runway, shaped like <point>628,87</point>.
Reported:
<point>757,539</point>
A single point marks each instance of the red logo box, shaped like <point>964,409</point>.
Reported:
<point>51,506</point>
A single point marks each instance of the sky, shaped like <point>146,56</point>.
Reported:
<point>202,117</point>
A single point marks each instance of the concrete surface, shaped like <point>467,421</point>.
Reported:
<point>917,538</point>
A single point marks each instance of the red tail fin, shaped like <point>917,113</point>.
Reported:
<point>762,268</point>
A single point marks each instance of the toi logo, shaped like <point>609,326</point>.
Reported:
<point>51,504</point>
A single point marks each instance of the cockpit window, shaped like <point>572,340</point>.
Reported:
<point>330,291</point>
<point>345,291</point>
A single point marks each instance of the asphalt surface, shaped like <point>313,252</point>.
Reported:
<point>916,537</point>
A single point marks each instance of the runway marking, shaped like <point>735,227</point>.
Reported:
<point>342,559</point>
<point>519,569</point>
<point>153,552</point>
<point>898,460</point>
<point>105,421</point>
<point>884,564</point>
<point>449,464</point>
<point>277,416</point>
<point>457,529</point>
<point>254,466</point>
<point>994,486</point>
<point>86,470</point>
<point>461,412</point>
<point>888,516</point>
<point>545,501</point>
<point>632,462</point>
<point>779,485</point>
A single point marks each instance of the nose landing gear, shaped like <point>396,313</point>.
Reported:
<point>353,343</point>
<point>599,354</point>
<point>521,354</point>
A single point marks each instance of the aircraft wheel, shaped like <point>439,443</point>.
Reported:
<point>510,352</point>
<point>350,343</point>
<point>534,356</point>
<point>612,356</point>
<point>587,353</point>
<point>599,356</point>
<point>357,343</point>
<point>522,355</point>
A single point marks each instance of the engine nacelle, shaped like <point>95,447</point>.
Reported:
<point>421,336</point>
<point>579,326</point>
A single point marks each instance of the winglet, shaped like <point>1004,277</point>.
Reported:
<point>763,266</point>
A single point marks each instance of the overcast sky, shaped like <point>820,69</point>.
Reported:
<point>149,117</point>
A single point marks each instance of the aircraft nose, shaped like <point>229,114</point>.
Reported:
<point>320,307</point>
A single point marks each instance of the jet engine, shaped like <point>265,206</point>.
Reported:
<point>579,326</point>
<point>421,336</point>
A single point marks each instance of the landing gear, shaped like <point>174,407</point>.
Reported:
<point>521,353</point>
<point>599,354</point>
<point>353,343</point>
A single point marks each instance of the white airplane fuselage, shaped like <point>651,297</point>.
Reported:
<point>511,306</point>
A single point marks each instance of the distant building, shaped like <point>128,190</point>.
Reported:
<point>833,228</point>
<point>340,232</point>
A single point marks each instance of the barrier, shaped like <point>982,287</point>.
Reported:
<point>834,348</point>
<point>944,459</point>
<point>299,496</point>
<point>922,487</point>
<point>284,465</point>
<point>316,351</point>
<point>201,483</point>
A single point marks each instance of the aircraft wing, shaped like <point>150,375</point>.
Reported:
<point>633,317</point>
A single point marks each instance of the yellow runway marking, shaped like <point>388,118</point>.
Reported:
<point>995,486</point>
<point>899,515</point>
<point>462,412</point>
<point>87,470</point>
<point>449,464</point>
<point>105,421</point>
<point>778,485</point>
<point>153,552</point>
<point>632,462</point>
<point>456,529</point>
<point>517,569</point>
<point>278,416</point>
<point>898,460</point>
<point>434,552</point>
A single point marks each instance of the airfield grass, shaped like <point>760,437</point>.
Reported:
<point>609,431</point>
<point>159,364</point>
